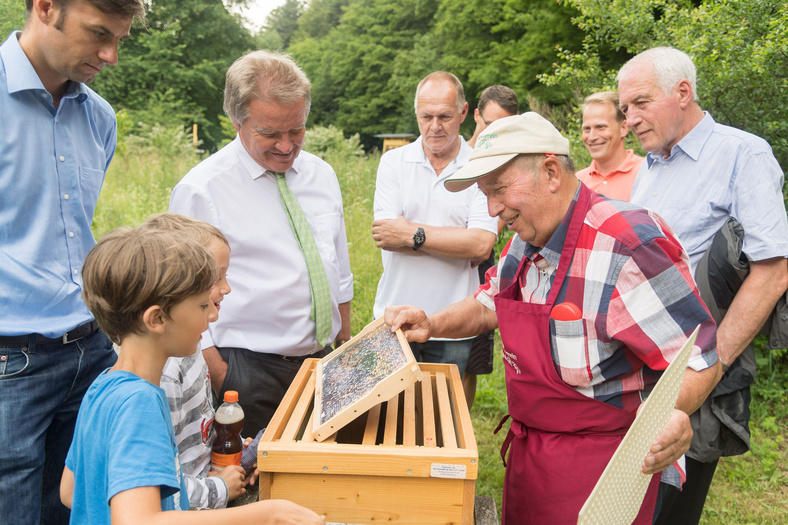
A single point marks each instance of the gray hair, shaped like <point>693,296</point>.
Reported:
<point>267,76</point>
<point>442,76</point>
<point>671,66</point>
<point>531,162</point>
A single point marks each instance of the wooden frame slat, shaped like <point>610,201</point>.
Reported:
<point>390,433</point>
<point>427,411</point>
<point>444,410</point>
<point>301,407</point>
<point>371,430</point>
<point>409,417</point>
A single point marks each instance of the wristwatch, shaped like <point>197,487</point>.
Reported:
<point>418,238</point>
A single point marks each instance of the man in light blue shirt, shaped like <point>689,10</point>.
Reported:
<point>57,138</point>
<point>697,175</point>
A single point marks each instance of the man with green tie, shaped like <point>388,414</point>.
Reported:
<point>281,211</point>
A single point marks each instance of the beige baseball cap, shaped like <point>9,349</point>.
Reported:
<point>502,141</point>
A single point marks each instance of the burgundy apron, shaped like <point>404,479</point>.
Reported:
<point>559,440</point>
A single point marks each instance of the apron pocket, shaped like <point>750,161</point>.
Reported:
<point>570,352</point>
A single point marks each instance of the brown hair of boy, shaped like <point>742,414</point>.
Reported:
<point>130,270</point>
<point>200,231</point>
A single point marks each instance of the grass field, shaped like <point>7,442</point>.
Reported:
<point>749,489</point>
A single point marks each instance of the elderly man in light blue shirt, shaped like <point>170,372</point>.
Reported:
<point>697,175</point>
<point>56,141</point>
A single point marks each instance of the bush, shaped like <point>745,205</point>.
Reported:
<point>323,141</point>
<point>149,160</point>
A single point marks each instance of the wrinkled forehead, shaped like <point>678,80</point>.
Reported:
<point>600,111</point>
<point>437,97</point>
<point>499,178</point>
<point>641,79</point>
<point>275,116</point>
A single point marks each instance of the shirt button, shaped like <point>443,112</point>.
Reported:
<point>76,271</point>
<point>43,95</point>
<point>665,167</point>
<point>604,182</point>
<point>65,196</point>
<point>71,234</point>
<point>62,158</point>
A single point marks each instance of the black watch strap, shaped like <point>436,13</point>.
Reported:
<point>418,238</point>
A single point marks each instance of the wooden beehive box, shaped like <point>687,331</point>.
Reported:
<point>409,460</point>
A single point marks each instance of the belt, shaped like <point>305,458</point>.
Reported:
<point>76,334</point>
<point>301,358</point>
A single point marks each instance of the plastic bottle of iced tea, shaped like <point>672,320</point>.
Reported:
<point>228,423</point>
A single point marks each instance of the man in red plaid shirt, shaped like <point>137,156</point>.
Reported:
<point>593,299</point>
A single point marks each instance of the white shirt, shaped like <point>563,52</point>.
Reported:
<point>268,310</point>
<point>407,186</point>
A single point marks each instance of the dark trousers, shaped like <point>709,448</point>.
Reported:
<point>684,507</point>
<point>261,381</point>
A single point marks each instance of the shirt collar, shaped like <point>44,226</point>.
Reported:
<point>551,251</point>
<point>416,155</point>
<point>692,143</point>
<point>254,170</point>
<point>627,164</point>
<point>21,76</point>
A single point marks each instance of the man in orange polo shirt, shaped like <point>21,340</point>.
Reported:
<point>613,169</point>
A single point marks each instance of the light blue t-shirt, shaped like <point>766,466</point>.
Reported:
<point>52,166</point>
<point>713,173</point>
<point>123,440</point>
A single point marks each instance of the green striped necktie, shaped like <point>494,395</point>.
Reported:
<point>318,280</point>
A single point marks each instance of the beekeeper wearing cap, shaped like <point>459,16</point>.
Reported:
<point>593,299</point>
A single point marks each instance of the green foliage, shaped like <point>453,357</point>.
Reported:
<point>365,58</point>
<point>284,21</point>
<point>12,16</point>
<point>149,161</point>
<point>321,16</point>
<point>331,142</point>
<point>738,46</point>
<point>228,131</point>
<point>506,42</point>
<point>352,66</point>
<point>173,73</point>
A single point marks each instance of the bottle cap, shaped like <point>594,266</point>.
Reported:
<point>566,312</point>
<point>231,396</point>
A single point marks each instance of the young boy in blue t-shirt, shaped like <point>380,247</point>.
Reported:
<point>187,384</point>
<point>150,293</point>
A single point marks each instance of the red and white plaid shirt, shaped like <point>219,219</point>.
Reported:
<point>631,278</point>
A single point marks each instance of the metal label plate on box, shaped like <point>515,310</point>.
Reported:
<point>448,471</point>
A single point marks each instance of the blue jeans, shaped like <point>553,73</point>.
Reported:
<point>456,352</point>
<point>41,388</point>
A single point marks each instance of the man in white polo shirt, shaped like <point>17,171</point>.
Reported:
<point>431,239</point>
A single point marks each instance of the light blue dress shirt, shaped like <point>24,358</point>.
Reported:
<point>713,173</point>
<point>52,166</point>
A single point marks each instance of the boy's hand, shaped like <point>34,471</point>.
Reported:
<point>287,512</point>
<point>252,477</point>
<point>235,478</point>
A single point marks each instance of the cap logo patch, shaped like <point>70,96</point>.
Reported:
<point>484,141</point>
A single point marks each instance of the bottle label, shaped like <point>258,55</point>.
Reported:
<point>220,461</point>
